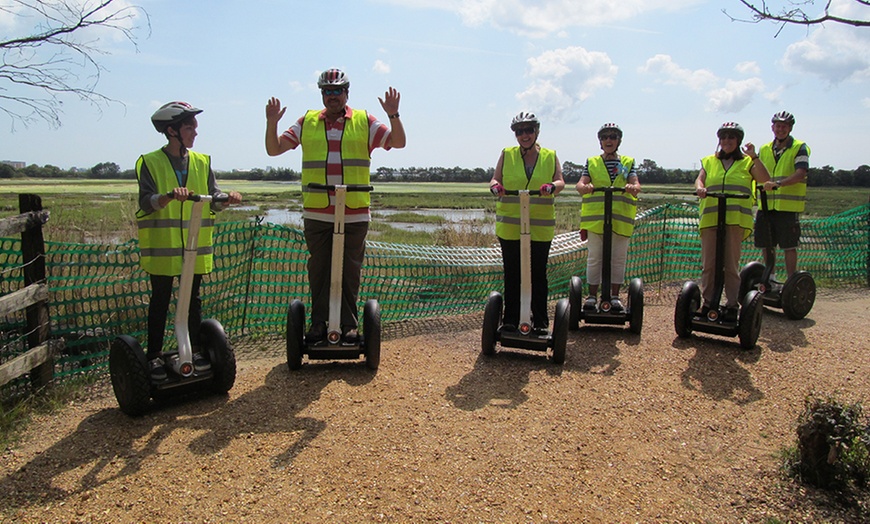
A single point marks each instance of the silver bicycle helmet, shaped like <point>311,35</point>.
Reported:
<point>333,78</point>
<point>783,116</point>
<point>172,114</point>
<point>732,127</point>
<point>525,118</point>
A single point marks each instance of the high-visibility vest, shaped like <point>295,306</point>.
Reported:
<point>624,205</point>
<point>542,213</point>
<point>792,197</point>
<point>163,233</point>
<point>737,179</point>
<point>355,159</point>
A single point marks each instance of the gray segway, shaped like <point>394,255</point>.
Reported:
<point>332,347</point>
<point>128,365</point>
<point>524,336</point>
<point>795,297</point>
<point>688,318</point>
<point>603,313</point>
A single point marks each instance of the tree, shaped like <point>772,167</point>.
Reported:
<point>54,59</point>
<point>105,170</point>
<point>794,14</point>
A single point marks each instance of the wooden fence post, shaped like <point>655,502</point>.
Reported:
<point>38,323</point>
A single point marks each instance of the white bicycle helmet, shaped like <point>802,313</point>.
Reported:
<point>172,114</point>
<point>333,78</point>
<point>733,127</point>
<point>610,126</point>
<point>525,118</point>
<point>783,116</point>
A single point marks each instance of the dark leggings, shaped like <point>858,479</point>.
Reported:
<point>161,295</point>
<point>510,250</point>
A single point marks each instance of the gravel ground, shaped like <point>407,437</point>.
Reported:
<point>629,429</point>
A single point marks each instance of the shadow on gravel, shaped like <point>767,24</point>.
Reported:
<point>715,369</point>
<point>109,445</point>
<point>498,380</point>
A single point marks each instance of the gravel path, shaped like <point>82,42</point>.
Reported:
<point>629,429</point>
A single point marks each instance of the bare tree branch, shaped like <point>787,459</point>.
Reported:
<point>39,70</point>
<point>795,14</point>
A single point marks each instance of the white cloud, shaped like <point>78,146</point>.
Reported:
<point>546,17</point>
<point>748,68</point>
<point>834,53</point>
<point>668,72</point>
<point>564,78</point>
<point>381,67</point>
<point>734,96</point>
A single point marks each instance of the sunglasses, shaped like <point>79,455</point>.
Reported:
<point>525,131</point>
<point>332,92</point>
<point>612,136</point>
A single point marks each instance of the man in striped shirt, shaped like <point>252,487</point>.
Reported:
<point>337,142</point>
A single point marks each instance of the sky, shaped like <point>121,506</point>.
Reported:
<point>668,72</point>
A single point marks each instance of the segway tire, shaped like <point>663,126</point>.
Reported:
<point>798,295</point>
<point>575,297</point>
<point>687,303</point>
<point>749,321</point>
<point>220,352</point>
<point>750,277</point>
<point>635,305</point>
<point>372,333</point>
<point>491,318</point>
<point>295,334</point>
<point>131,380</point>
<point>560,330</point>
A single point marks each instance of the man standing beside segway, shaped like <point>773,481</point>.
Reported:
<point>787,160</point>
<point>177,171</point>
<point>337,143</point>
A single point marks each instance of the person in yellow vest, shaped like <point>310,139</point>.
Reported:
<point>608,169</point>
<point>337,143</point>
<point>787,160</point>
<point>731,171</point>
<point>162,220</point>
<point>526,166</point>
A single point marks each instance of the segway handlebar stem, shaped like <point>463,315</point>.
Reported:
<point>514,192</point>
<point>348,187</point>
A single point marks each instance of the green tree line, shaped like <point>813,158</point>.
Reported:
<point>648,170</point>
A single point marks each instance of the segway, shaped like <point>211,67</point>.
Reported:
<point>128,365</point>
<point>687,317</point>
<point>524,337</point>
<point>332,347</point>
<point>795,298</point>
<point>603,313</point>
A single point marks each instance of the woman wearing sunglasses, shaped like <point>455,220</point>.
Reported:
<point>729,171</point>
<point>532,167</point>
<point>609,169</point>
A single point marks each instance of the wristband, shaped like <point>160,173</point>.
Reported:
<point>394,115</point>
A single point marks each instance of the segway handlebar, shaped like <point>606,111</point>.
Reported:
<point>514,192</point>
<point>349,187</point>
<point>727,195</point>
<point>193,197</point>
<point>608,189</point>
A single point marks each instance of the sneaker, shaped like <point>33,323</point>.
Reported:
<point>730,314</point>
<point>350,336</point>
<point>200,363</point>
<point>507,328</point>
<point>316,333</point>
<point>158,372</point>
<point>616,305</point>
<point>541,331</point>
<point>590,304</point>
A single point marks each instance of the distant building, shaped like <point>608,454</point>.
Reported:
<point>14,163</point>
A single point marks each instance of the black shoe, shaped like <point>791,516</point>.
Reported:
<point>316,333</point>
<point>157,370</point>
<point>507,328</point>
<point>730,314</point>
<point>350,336</point>
<point>616,305</point>
<point>591,304</point>
<point>541,331</point>
<point>200,363</point>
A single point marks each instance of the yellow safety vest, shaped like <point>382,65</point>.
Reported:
<point>737,179</point>
<point>624,204</point>
<point>163,233</point>
<point>542,213</point>
<point>355,159</point>
<point>792,197</point>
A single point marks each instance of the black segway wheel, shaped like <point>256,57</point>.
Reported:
<point>220,352</point>
<point>372,333</point>
<point>750,277</point>
<point>131,379</point>
<point>749,321</point>
<point>295,334</point>
<point>635,305</point>
<point>491,318</point>
<point>687,303</point>
<point>575,297</point>
<point>560,330</point>
<point>798,295</point>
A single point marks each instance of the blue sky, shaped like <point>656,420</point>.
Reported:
<point>669,72</point>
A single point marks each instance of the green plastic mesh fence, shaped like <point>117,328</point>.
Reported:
<point>99,291</point>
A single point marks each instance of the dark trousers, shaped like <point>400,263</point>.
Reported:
<point>161,295</point>
<point>510,251</point>
<point>318,237</point>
